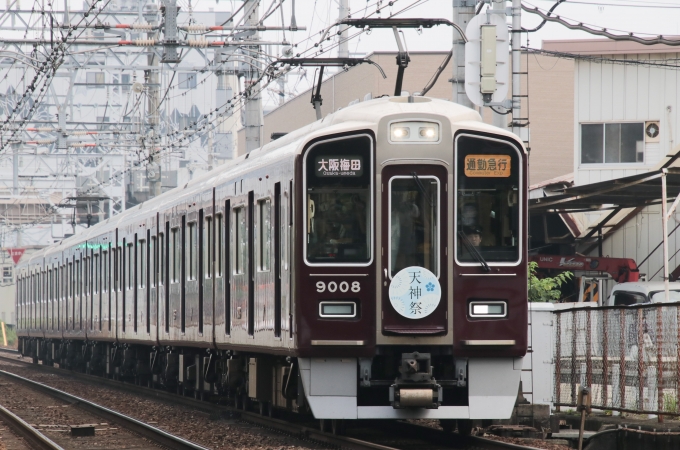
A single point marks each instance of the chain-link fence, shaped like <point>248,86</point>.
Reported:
<point>629,356</point>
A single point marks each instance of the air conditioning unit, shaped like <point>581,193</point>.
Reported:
<point>652,131</point>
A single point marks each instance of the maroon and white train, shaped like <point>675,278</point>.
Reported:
<point>337,269</point>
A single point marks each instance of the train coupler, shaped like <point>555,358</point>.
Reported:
<point>415,387</point>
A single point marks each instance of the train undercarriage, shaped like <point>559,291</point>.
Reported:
<point>397,383</point>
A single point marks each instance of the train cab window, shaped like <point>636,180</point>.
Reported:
<point>264,237</point>
<point>488,201</point>
<point>240,240</point>
<point>192,249</point>
<point>414,223</point>
<point>338,199</point>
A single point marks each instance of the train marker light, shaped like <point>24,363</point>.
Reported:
<point>338,309</point>
<point>488,309</point>
<point>400,132</point>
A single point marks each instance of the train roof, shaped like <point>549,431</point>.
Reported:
<point>366,114</point>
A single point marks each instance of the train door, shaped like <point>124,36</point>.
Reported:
<point>414,250</point>
<point>191,314</point>
<point>95,301</point>
<point>152,290</point>
<point>221,276</point>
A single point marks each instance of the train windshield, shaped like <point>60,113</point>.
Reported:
<point>488,201</point>
<point>338,201</point>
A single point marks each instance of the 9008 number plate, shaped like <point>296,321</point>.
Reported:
<point>334,286</point>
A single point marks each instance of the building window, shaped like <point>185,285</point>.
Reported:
<point>7,273</point>
<point>95,78</point>
<point>187,80</point>
<point>612,143</point>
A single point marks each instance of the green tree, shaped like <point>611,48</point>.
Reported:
<point>545,289</point>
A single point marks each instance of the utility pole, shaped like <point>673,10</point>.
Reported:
<point>499,120</point>
<point>343,12</point>
<point>516,72</point>
<point>253,109</point>
<point>151,77</point>
<point>463,11</point>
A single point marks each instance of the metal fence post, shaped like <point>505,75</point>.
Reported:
<point>573,358</point>
<point>558,361</point>
<point>605,358</point>
<point>622,357</point>
<point>659,361</point>
<point>589,353</point>
<point>640,361</point>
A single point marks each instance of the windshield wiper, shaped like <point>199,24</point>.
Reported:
<point>421,187</point>
<point>473,251</point>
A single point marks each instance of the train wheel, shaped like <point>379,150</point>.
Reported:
<point>464,427</point>
<point>338,426</point>
<point>448,425</point>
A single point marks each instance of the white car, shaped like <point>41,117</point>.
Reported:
<point>642,292</point>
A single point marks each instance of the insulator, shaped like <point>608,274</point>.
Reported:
<point>202,43</point>
<point>44,141</point>
<point>142,26</point>
<point>145,42</point>
<point>195,28</point>
<point>78,133</point>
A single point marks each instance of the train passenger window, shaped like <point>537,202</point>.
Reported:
<point>142,263</point>
<point>207,246</point>
<point>130,272</point>
<point>105,271</point>
<point>96,274</point>
<point>219,245</point>
<point>240,240</point>
<point>192,248</point>
<point>161,259</point>
<point>414,223</point>
<point>488,201</point>
<point>153,262</point>
<point>338,201</point>
<point>175,254</point>
<point>264,236</point>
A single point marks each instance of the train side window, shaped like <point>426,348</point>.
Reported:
<point>96,274</point>
<point>192,234</point>
<point>264,236</point>
<point>219,247</point>
<point>105,271</point>
<point>208,250</point>
<point>161,259</point>
<point>141,245</point>
<point>153,262</point>
<point>240,240</point>
<point>175,254</point>
<point>130,272</point>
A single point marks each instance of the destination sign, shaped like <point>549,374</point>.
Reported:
<point>494,166</point>
<point>344,166</point>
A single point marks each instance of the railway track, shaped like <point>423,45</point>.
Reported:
<point>402,435</point>
<point>33,439</point>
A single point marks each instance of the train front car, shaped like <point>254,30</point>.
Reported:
<point>412,273</point>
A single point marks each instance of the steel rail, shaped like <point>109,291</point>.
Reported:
<point>33,438</point>
<point>300,431</point>
<point>138,427</point>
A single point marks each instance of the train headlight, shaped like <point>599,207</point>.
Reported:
<point>488,309</point>
<point>400,133</point>
<point>414,132</point>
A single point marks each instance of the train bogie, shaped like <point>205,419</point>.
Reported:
<point>370,265</point>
